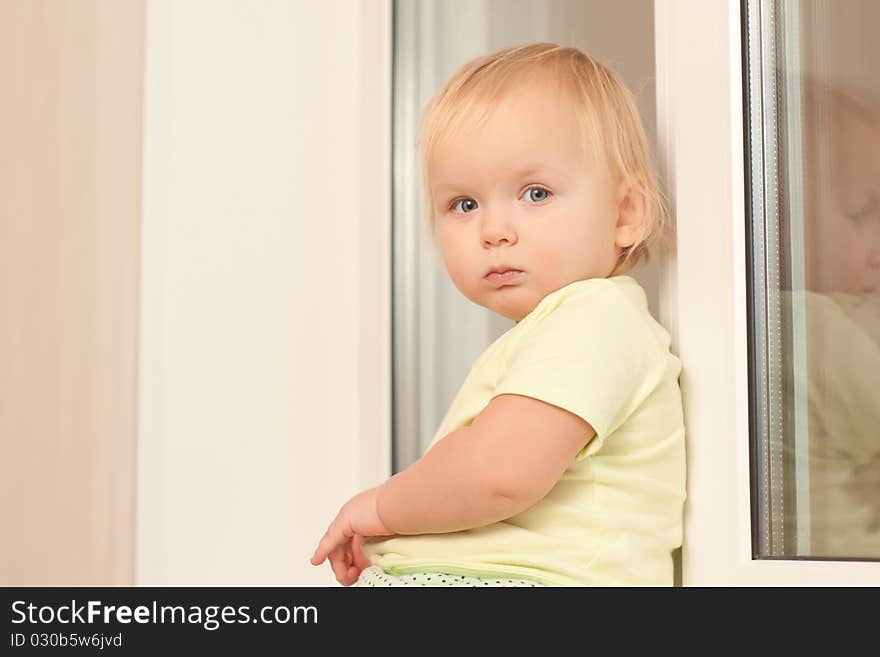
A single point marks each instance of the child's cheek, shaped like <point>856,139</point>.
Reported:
<point>463,273</point>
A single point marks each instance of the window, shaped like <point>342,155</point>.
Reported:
<point>812,128</point>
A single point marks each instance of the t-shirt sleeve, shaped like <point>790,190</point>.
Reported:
<point>594,355</point>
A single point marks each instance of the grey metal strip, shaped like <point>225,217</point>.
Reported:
<point>772,253</point>
<point>406,370</point>
<point>759,332</point>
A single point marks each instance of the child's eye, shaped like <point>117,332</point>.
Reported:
<point>859,218</point>
<point>473,203</point>
<point>870,209</point>
<point>535,194</point>
<point>537,198</point>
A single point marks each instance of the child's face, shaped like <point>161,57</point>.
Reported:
<point>843,215</point>
<point>556,224</point>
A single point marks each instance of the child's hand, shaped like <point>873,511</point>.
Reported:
<point>356,520</point>
<point>358,557</point>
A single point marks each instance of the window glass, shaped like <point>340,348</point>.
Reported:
<point>813,153</point>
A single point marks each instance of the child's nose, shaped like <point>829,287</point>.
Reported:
<point>496,230</point>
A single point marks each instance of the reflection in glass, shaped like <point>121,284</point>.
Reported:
<point>841,145</point>
<point>813,138</point>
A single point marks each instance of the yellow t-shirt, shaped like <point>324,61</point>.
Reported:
<point>843,438</point>
<point>615,515</point>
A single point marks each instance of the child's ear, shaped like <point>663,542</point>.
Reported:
<point>631,216</point>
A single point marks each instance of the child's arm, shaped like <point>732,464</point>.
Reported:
<point>448,489</point>
<point>452,487</point>
<point>507,460</point>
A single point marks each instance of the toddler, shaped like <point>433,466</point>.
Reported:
<point>561,460</point>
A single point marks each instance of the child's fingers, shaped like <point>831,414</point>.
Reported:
<point>358,557</point>
<point>345,572</point>
<point>325,545</point>
<point>338,564</point>
<point>333,537</point>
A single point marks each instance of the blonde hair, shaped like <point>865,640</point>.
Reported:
<point>610,127</point>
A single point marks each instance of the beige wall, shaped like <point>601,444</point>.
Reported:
<point>70,157</point>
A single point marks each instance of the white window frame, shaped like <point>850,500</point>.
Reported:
<point>700,127</point>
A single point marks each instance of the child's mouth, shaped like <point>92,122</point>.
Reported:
<point>502,276</point>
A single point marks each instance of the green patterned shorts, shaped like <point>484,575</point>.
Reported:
<point>375,576</point>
